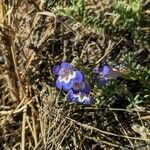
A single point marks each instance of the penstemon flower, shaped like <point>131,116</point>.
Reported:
<point>67,76</point>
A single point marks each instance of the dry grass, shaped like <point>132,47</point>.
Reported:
<point>33,40</point>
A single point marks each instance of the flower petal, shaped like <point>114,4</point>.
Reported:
<point>59,84</point>
<point>84,99</point>
<point>66,65</point>
<point>106,70</point>
<point>85,88</point>
<point>98,70</point>
<point>67,86</point>
<point>103,81</point>
<point>71,96</point>
<point>79,77</point>
<point>87,101</point>
<point>56,69</point>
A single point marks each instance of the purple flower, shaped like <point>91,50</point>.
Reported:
<point>80,97</point>
<point>67,76</point>
<point>101,74</point>
<point>82,87</point>
<point>105,73</point>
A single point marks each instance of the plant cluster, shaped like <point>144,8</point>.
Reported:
<point>125,15</point>
<point>75,83</point>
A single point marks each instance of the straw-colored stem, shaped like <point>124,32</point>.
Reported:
<point>23,130</point>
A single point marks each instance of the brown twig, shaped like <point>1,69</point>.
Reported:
<point>105,132</point>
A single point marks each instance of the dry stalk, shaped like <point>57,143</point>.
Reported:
<point>111,46</point>
<point>9,112</point>
<point>34,127</point>
<point>145,117</point>
<point>31,129</point>
<point>124,131</point>
<point>66,130</point>
<point>1,11</point>
<point>105,132</point>
<point>102,141</point>
<point>23,129</point>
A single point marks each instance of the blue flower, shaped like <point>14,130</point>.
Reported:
<point>64,65</point>
<point>82,87</point>
<point>79,97</point>
<point>101,74</point>
<point>105,73</point>
<point>67,76</point>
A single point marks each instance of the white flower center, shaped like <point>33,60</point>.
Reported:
<point>66,76</point>
<point>82,97</point>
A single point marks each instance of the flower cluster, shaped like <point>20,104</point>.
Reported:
<point>74,82</point>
